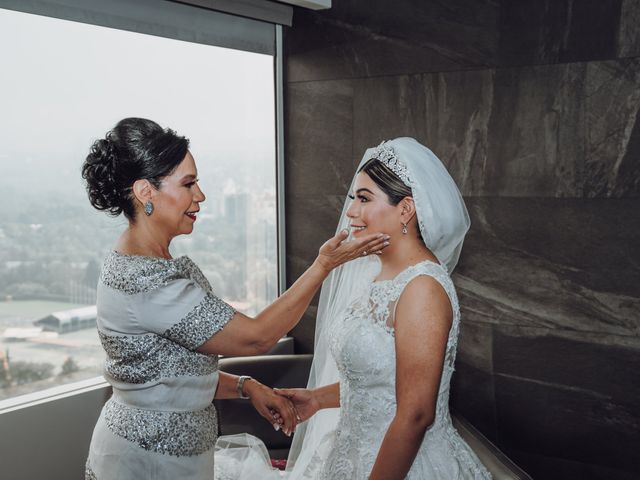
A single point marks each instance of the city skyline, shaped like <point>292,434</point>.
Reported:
<point>63,88</point>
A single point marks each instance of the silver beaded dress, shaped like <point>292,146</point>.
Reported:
<point>160,423</point>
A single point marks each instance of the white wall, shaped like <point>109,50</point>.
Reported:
<point>50,440</point>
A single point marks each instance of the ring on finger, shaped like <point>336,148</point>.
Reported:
<point>365,253</point>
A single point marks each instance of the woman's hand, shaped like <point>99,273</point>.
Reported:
<point>304,401</point>
<point>276,409</point>
<point>336,251</point>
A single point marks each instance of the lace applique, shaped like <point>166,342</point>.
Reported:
<point>363,345</point>
<point>339,468</point>
<point>462,454</point>
<point>384,294</point>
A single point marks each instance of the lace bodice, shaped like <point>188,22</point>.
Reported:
<point>362,343</point>
<point>363,346</point>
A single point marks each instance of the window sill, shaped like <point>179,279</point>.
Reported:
<point>51,394</point>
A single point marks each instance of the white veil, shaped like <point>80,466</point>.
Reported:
<point>443,221</point>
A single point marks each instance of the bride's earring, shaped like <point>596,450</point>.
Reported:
<point>404,228</point>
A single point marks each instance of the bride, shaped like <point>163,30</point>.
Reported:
<point>376,405</point>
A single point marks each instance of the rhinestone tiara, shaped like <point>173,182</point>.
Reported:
<point>388,157</point>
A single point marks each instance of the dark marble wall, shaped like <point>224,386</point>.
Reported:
<point>533,107</point>
<point>367,38</point>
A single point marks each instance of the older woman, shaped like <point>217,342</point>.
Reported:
<point>159,321</point>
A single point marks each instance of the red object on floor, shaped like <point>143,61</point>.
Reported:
<point>279,464</point>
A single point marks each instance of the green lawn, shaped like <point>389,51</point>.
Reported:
<point>32,309</point>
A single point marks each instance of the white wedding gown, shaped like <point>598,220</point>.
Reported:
<point>363,346</point>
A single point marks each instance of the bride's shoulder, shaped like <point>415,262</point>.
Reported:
<point>429,265</point>
<point>423,287</point>
<point>427,284</point>
<point>425,268</point>
<point>424,293</point>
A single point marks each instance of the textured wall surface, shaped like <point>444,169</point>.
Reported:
<point>533,107</point>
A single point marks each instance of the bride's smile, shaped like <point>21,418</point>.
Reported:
<point>370,209</point>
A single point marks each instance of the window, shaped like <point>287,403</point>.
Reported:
<point>64,84</point>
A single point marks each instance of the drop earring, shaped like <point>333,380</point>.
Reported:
<point>148,208</point>
<point>404,228</point>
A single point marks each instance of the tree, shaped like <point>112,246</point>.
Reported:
<point>26,372</point>
<point>69,366</point>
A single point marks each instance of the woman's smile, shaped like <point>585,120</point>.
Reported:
<point>357,228</point>
<point>370,209</point>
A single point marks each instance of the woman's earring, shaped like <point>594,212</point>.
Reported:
<point>404,228</point>
<point>148,208</point>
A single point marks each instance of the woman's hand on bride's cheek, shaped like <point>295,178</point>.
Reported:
<point>277,410</point>
<point>336,251</point>
<point>303,399</point>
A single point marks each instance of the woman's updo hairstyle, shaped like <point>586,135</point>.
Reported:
<point>388,182</point>
<point>135,149</point>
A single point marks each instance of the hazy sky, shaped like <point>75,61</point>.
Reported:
<point>64,84</point>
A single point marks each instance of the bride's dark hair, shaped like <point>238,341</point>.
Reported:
<point>388,182</point>
<point>136,148</point>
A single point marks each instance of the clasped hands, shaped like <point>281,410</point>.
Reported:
<point>282,408</point>
<point>286,408</point>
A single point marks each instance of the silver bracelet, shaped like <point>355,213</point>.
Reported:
<point>240,386</point>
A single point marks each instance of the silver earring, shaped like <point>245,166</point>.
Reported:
<point>404,228</point>
<point>148,208</point>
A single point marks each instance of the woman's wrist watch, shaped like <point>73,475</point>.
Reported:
<point>240,386</point>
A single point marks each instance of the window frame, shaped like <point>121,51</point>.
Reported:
<point>80,387</point>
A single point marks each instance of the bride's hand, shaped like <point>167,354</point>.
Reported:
<point>303,399</point>
<point>336,251</point>
<point>277,410</point>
